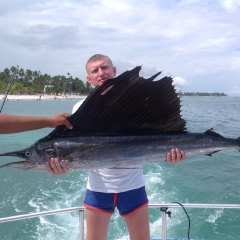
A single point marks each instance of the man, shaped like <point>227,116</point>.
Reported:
<point>107,188</point>
<point>10,123</point>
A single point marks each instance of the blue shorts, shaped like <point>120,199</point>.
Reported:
<point>126,202</point>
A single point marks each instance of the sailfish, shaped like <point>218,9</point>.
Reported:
<point>127,120</point>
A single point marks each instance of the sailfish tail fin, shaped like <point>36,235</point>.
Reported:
<point>238,140</point>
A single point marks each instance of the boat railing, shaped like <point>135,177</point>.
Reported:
<point>82,209</point>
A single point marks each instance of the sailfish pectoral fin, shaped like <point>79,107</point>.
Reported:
<point>211,153</point>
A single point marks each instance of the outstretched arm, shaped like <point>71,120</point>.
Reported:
<point>10,123</point>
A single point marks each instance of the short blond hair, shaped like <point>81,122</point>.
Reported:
<point>97,57</point>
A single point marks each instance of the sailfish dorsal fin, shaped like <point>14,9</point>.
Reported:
<point>128,104</point>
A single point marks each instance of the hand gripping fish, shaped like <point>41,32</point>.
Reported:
<point>127,120</point>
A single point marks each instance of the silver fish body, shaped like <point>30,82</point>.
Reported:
<point>127,120</point>
<point>93,151</point>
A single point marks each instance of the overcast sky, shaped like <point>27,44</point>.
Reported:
<point>197,42</point>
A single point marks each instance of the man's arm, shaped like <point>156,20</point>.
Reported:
<point>10,123</point>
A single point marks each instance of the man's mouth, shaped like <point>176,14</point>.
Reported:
<point>102,81</point>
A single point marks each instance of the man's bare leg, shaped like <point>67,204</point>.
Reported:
<point>138,224</point>
<point>97,224</point>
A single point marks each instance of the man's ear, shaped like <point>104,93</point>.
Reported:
<point>89,80</point>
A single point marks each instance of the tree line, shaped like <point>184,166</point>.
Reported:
<point>203,94</point>
<point>34,82</point>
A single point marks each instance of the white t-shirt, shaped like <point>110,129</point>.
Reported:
<point>114,180</point>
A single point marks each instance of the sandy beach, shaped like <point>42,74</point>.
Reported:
<point>40,97</point>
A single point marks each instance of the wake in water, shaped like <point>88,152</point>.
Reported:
<point>196,180</point>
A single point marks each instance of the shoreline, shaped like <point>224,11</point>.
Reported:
<point>40,97</point>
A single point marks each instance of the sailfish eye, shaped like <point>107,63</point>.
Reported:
<point>28,153</point>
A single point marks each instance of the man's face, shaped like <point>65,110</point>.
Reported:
<point>100,71</point>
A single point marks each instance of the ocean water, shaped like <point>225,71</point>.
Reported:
<point>201,179</point>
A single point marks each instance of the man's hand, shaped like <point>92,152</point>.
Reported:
<point>55,168</point>
<point>60,119</point>
<point>175,156</point>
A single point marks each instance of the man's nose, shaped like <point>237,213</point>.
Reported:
<point>100,72</point>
